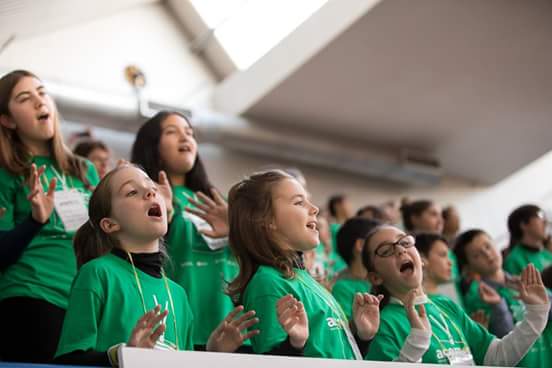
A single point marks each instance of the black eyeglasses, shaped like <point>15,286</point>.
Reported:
<point>387,249</point>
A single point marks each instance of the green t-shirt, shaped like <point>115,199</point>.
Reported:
<point>338,263</point>
<point>540,354</point>
<point>327,337</point>
<point>344,291</point>
<point>455,273</point>
<point>201,271</point>
<point>521,256</point>
<point>105,304</point>
<point>47,266</point>
<point>451,329</point>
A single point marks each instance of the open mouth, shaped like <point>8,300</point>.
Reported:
<point>407,266</point>
<point>184,148</point>
<point>43,117</point>
<point>155,211</point>
<point>312,225</point>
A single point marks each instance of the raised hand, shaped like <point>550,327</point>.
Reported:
<point>480,317</point>
<point>293,319</point>
<point>417,318</point>
<point>148,329</point>
<point>366,315</point>
<point>214,211</point>
<point>166,191</point>
<point>42,204</point>
<point>488,294</point>
<point>232,332</point>
<point>532,290</point>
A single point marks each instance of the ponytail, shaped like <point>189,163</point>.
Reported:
<point>90,243</point>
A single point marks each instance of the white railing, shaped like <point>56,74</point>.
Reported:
<point>147,358</point>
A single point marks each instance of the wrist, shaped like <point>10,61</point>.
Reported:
<point>365,335</point>
<point>297,343</point>
<point>36,218</point>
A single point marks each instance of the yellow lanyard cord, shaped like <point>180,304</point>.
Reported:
<point>169,295</point>
<point>446,330</point>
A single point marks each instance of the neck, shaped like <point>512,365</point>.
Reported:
<point>498,277</point>
<point>37,148</point>
<point>177,179</point>
<point>357,270</point>
<point>140,246</point>
<point>403,294</point>
<point>430,286</point>
<point>531,242</point>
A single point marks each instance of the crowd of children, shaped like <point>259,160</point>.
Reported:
<point>148,253</point>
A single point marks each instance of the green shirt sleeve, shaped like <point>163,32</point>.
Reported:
<point>80,327</point>
<point>271,332</point>
<point>386,345</point>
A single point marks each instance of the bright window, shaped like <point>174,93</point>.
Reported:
<point>248,29</point>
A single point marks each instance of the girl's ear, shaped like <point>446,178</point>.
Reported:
<point>359,244</point>
<point>7,122</point>
<point>374,278</point>
<point>109,225</point>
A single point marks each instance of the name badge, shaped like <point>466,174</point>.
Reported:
<point>200,224</point>
<point>71,209</point>
<point>460,357</point>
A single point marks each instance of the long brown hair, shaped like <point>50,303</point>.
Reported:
<point>90,240</point>
<point>14,157</point>
<point>250,212</point>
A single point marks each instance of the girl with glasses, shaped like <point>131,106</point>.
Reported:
<point>418,328</point>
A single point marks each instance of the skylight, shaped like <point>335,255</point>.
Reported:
<point>248,29</point>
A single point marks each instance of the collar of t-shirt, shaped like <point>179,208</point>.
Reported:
<point>530,248</point>
<point>150,263</point>
<point>418,300</point>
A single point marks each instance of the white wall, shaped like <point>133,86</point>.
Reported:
<point>94,54</point>
<point>226,167</point>
<point>483,207</point>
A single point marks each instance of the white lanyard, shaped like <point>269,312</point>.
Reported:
<point>62,178</point>
<point>444,327</point>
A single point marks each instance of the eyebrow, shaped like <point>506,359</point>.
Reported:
<point>27,92</point>
<point>175,125</point>
<point>125,183</point>
<point>298,195</point>
<point>148,179</point>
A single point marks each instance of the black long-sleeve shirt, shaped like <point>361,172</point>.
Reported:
<point>14,242</point>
